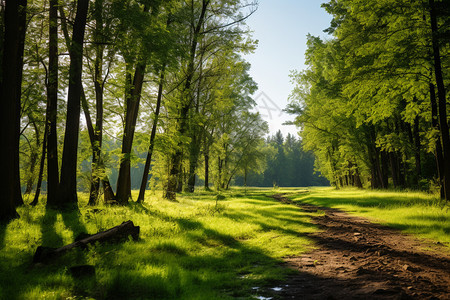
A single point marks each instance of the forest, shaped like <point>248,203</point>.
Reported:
<point>134,164</point>
<point>161,77</point>
<point>114,95</point>
<point>372,104</point>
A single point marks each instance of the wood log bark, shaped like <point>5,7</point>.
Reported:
<point>113,235</point>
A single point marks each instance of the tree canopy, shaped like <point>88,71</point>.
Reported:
<point>372,103</point>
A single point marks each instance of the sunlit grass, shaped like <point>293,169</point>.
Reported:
<point>421,214</point>
<point>196,248</point>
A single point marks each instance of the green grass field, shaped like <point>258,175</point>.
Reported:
<point>420,214</point>
<point>196,248</point>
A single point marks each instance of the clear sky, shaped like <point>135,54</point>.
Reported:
<point>281,27</point>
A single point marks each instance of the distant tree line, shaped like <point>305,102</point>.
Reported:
<point>277,161</point>
<point>372,105</point>
<point>286,164</point>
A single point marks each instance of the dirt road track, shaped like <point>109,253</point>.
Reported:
<point>357,259</point>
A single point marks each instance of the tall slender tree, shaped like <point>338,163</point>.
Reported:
<point>152,139</point>
<point>52,107</point>
<point>175,164</point>
<point>442,102</point>
<point>67,189</point>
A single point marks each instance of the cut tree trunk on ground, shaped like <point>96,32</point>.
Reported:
<point>113,235</point>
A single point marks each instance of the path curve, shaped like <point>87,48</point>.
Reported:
<point>357,259</point>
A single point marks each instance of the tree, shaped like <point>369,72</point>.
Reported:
<point>152,141</point>
<point>52,107</point>
<point>442,102</point>
<point>101,35</point>
<point>212,28</point>
<point>148,45</point>
<point>67,189</point>
<point>10,89</point>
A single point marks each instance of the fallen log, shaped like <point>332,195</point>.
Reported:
<point>113,235</point>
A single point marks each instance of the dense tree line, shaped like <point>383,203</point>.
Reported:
<point>89,85</point>
<point>284,164</point>
<point>372,105</point>
<point>274,161</point>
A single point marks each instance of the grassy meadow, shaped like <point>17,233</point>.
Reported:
<point>417,213</point>
<point>191,249</point>
<point>196,248</point>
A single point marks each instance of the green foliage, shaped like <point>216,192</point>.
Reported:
<point>365,98</point>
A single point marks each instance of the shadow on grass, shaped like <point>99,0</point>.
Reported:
<point>50,238</point>
<point>422,220</point>
<point>127,270</point>
<point>71,219</point>
<point>391,274</point>
<point>162,267</point>
<point>188,273</point>
<point>2,235</point>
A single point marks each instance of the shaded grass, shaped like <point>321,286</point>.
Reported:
<point>197,248</point>
<point>201,247</point>
<point>417,213</point>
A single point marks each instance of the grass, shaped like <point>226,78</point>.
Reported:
<point>416,213</point>
<point>191,249</point>
<point>200,247</point>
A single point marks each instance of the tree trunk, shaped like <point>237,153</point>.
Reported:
<point>394,169</point>
<point>132,101</point>
<point>374,155</point>
<point>442,104</point>
<point>206,155</point>
<point>108,193</point>
<point>34,156</point>
<point>194,153</point>
<point>52,107</point>
<point>98,85</point>
<point>358,182</point>
<point>245,177</point>
<point>67,190</point>
<point>41,166</point>
<point>132,109</point>
<point>416,133</point>
<point>438,146</point>
<point>10,89</point>
<point>152,140</point>
<point>22,33</point>
<point>171,187</point>
<point>385,169</point>
<point>113,235</point>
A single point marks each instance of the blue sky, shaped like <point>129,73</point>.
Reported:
<point>281,27</point>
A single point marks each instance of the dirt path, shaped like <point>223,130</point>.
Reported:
<point>357,259</point>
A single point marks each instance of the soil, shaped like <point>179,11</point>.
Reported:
<point>358,259</point>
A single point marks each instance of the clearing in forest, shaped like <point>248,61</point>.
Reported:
<point>241,243</point>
